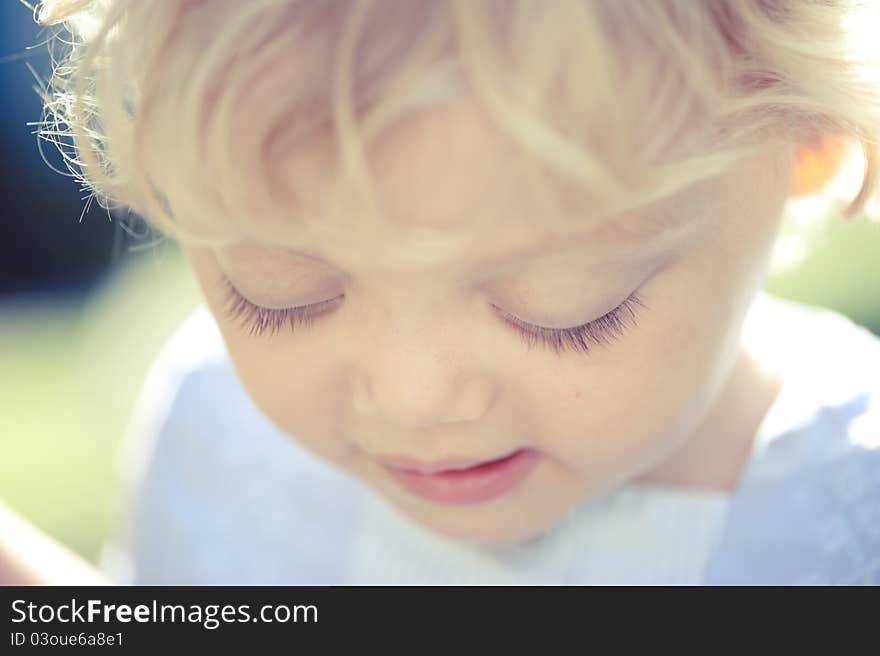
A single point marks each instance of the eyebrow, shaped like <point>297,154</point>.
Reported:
<point>638,237</point>
<point>637,233</point>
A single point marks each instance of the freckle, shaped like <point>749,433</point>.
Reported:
<point>577,394</point>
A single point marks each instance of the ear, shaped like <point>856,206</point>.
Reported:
<point>816,163</point>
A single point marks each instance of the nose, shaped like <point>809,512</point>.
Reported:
<point>416,385</point>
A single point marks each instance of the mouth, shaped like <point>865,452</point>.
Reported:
<point>406,463</point>
<point>458,483</point>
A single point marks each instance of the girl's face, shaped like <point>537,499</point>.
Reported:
<point>414,350</point>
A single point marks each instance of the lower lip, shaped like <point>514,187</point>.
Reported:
<point>473,485</point>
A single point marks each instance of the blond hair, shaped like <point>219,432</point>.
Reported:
<point>177,109</point>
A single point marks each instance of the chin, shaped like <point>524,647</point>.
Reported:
<point>481,531</point>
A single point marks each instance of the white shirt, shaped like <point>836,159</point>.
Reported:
<point>216,494</point>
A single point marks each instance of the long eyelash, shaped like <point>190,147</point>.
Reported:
<point>599,332</point>
<point>260,321</point>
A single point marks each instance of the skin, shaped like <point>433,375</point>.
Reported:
<point>28,556</point>
<point>415,361</point>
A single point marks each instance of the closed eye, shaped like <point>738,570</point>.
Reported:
<point>259,321</point>
<point>599,332</point>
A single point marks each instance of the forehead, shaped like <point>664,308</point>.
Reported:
<point>452,190</point>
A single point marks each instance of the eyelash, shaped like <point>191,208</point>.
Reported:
<point>598,332</point>
<point>259,321</point>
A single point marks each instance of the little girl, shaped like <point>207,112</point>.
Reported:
<point>482,287</point>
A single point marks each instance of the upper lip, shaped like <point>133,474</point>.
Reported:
<point>447,464</point>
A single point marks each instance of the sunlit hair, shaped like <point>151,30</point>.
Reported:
<point>181,109</point>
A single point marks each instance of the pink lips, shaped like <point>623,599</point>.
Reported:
<point>457,483</point>
<point>411,464</point>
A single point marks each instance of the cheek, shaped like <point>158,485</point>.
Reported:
<point>285,384</point>
<point>629,406</point>
<point>597,414</point>
<point>280,375</point>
